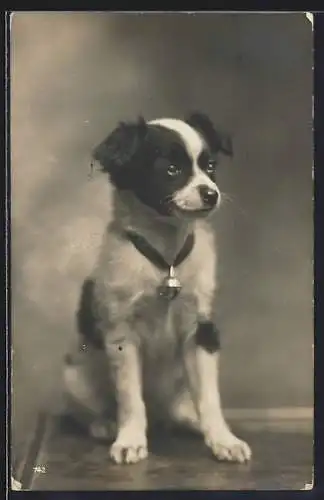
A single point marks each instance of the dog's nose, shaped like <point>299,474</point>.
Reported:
<point>209,196</point>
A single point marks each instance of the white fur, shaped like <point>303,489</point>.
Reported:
<point>193,141</point>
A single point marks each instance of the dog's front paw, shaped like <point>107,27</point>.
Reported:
<point>227,447</point>
<point>130,446</point>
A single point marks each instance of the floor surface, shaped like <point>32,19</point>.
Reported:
<point>63,458</point>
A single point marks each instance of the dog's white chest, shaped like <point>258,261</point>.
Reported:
<point>160,323</point>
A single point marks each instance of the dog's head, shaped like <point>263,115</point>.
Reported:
<point>170,165</point>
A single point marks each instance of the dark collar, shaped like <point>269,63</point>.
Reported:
<point>143,246</point>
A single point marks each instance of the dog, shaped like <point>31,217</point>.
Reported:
<point>148,347</point>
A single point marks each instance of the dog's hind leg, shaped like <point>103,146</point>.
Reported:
<point>84,404</point>
<point>183,412</point>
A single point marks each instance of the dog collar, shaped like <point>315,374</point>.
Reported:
<point>171,285</point>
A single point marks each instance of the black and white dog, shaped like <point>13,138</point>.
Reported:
<point>149,347</point>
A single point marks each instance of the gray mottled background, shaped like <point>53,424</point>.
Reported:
<point>74,75</point>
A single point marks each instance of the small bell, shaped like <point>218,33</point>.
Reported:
<point>171,286</point>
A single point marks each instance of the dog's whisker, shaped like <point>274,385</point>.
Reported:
<point>229,198</point>
<point>168,199</point>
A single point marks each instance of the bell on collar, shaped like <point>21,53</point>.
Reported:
<point>170,286</point>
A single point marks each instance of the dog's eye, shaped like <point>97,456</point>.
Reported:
<point>173,170</point>
<point>211,167</point>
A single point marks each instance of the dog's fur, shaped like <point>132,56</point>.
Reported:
<point>139,356</point>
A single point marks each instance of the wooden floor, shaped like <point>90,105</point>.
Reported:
<point>63,458</point>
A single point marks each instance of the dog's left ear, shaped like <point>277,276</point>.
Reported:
<point>217,140</point>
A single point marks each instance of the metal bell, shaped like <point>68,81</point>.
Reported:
<point>171,286</point>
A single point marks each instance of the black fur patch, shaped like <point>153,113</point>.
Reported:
<point>87,317</point>
<point>217,140</point>
<point>208,163</point>
<point>68,360</point>
<point>207,336</point>
<point>137,157</point>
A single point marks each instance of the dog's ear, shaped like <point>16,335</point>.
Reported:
<point>120,147</point>
<point>217,140</point>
